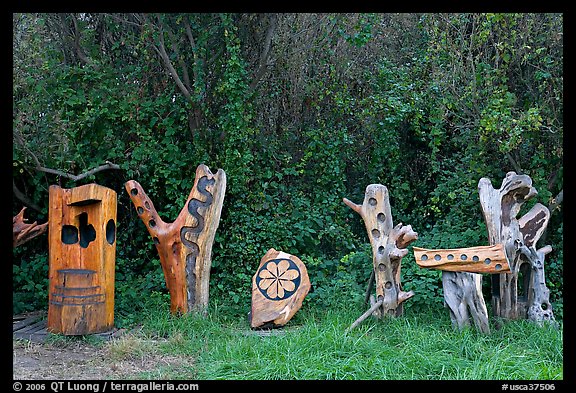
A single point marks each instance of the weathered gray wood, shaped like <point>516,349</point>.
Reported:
<point>370,311</point>
<point>388,247</point>
<point>519,237</point>
<point>463,296</point>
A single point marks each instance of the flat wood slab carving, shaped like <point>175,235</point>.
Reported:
<point>185,245</point>
<point>23,231</point>
<point>481,259</point>
<point>388,248</point>
<point>82,253</point>
<point>279,287</point>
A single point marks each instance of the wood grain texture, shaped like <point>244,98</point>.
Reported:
<point>82,252</point>
<point>23,231</point>
<point>388,247</point>
<point>185,245</point>
<point>279,287</point>
<point>500,207</point>
<point>463,296</point>
<point>481,259</point>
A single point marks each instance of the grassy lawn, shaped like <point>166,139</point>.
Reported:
<point>315,346</point>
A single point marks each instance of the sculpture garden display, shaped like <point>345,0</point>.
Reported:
<point>82,244</point>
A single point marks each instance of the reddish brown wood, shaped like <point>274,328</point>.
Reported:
<point>279,287</point>
<point>185,245</point>
<point>82,252</point>
<point>480,259</point>
<point>23,231</point>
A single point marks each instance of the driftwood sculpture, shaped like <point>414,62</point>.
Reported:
<point>462,286</point>
<point>279,287</point>
<point>23,231</point>
<point>519,237</point>
<point>82,252</point>
<point>185,245</point>
<point>388,248</point>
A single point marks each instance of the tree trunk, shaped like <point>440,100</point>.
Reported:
<point>388,247</point>
<point>185,246</point>
<point>463,293</point>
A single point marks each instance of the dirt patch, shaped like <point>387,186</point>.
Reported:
<point>124,358</point>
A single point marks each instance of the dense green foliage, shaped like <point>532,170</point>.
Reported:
<point>299,110</point>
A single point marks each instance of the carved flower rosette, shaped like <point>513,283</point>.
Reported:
<point>278,279</point>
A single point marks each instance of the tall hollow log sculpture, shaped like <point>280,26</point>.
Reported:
<point>82,252</point>
<point>185,245</point>
<point>519,237</point>
<point>461,283</point>
<point>388,248</point>
<point>279,287</point>
<point>23,231</point>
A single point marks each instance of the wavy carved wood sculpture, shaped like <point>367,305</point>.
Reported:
<point>185,245</point>
<point>519,237</point>
<point>279,287</point>
<point>82,255</point>
<point>23,231</point>
<point>388,248</point>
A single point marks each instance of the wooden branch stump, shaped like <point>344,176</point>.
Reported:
<point>388,248</point>
<point>82,252</point>
<point>519,237</point>
<point>23,231</point>
<point>279,287</point>
<point>185,245</point>
<point>463,296</point>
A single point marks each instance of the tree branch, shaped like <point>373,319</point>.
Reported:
<point>24,199</point>
<point>264,56</point>
<point>555,203</point>
<point>161,50</point>
<point>514,164</point>
<point>106,166</point>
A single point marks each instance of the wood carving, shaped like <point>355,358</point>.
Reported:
<point>519,237</point>
<point>23,231</point>
<point>481,259</point>
<point>185,245</point>
<point>388,248</point>
<point>82,252</point>
<point>279,287</point>
<point>464,299</point>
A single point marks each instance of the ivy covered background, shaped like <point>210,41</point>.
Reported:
<point>300,110</point>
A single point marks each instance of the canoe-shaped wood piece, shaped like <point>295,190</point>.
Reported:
<point>481,259</point>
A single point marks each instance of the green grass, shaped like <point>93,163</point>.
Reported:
<point>315,346</point>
